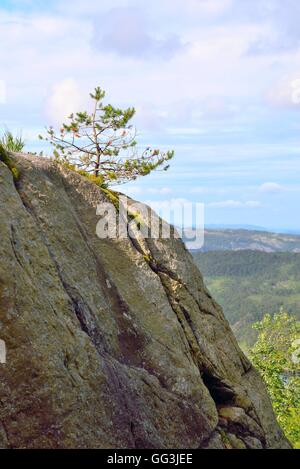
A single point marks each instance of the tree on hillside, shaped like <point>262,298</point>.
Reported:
<point>276,354</point>
<point>102,144</point>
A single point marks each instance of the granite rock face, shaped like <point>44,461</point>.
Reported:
<point>111,343</point>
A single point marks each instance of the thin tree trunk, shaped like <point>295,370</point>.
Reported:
<point>98,149</point>
<point>97,166</point>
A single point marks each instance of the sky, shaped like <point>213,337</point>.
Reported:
<point>218,81</point>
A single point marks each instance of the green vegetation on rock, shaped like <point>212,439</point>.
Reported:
<point>276,354</point>
<point>12,143</point>
<point>6,143</point>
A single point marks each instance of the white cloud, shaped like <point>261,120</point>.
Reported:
<point>131,191</point>
<point>253,204</point>
<point>208,7</point>
<point>270,188</point>
<point>286,92</point>
<point>235,204</point>
<point>136,190</point>
<point>171,10</point>
<point>66,98</point>
<point>160,191</point>
<point>126,31</point>
<point>2,92</point>
<point>174,203</point>
<point>207,190</point>
<point>58,46</point>
<point>282,20</point>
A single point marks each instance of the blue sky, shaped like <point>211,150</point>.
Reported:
<point>218,81</point>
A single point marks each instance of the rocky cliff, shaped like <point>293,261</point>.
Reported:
<point>111,343</point>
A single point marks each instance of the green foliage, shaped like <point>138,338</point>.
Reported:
<point>15,173</point>
<point>103,144</point>
<point>250,283</point>
<point>276,356</point>
<point>12,143</point>
<point>98,180</point>
<point>225,439</point>
<point>112,196</point>
<point>5,158</point>
<point>136,217</point>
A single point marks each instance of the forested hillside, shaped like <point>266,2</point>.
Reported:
<point>249,284</point>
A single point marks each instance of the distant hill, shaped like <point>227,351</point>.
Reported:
<point>249,284</point>
<point>292,231</point>
<point>236,227</point>
<point>241,239</point>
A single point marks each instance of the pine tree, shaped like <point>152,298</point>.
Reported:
<point>102,144</point>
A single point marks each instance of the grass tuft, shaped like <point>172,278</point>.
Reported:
<point>4,157</point>
<point>12,143</point>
